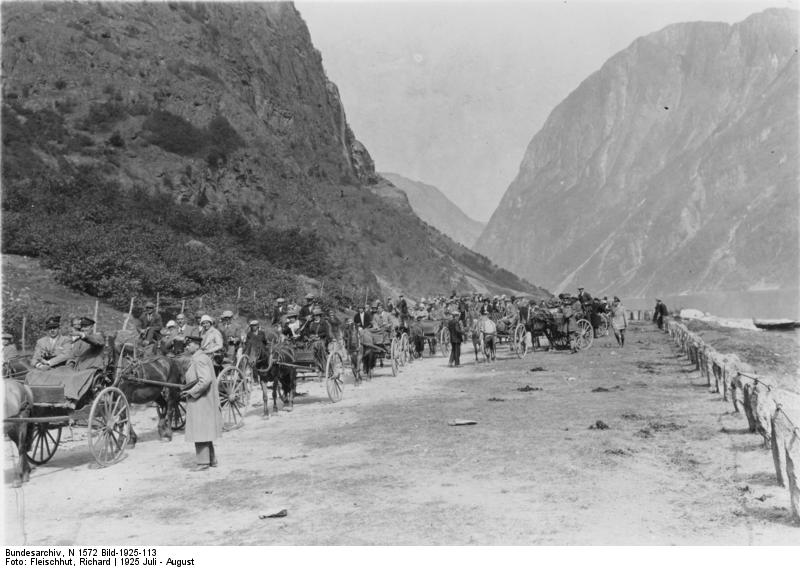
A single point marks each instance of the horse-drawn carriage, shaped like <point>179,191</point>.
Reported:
<point>424,331</point>
<point>564,326</point>
<point>486,338</point>
<point>39,403</point>
<point>382,344</point>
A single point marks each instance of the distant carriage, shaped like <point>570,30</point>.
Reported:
<point>566,326</point>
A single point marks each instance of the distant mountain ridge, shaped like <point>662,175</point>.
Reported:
<point>674,168</point>
<point>433,207</point>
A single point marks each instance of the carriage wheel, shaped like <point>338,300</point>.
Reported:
<point>109,426</point>
<point>177,419</point>
<point>334,377</point>
<point>602,326</point>
<point>232,397</point>
<point>43,442</point>
<point>519,340</point>
<point>246,367</point>
<point>395,356</point>
<point>444,337</point>
<point>404,354</point>
<point>585,335</point>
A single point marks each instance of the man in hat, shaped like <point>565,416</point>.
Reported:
<point>364,317</point>
<point>151,324</point>
<point>318,330</point>
<point>203,415</point>
<point>456,331</point>
<point>279,311</point>
<point>402,310</point>
<point>9,349</point>
<point>51,344</point>
<point>305,311</point>
<point>255,342</point>
<point>87,350</point>
<point>211,339</point>
<point>231,333</point>
<point>659,313</point>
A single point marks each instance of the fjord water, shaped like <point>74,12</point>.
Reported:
<point>765,304</point>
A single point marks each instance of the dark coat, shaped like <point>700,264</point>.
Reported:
<point>456,330</point>
<point>365,321</point>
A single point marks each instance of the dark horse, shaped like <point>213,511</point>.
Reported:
<point>270,368</point>
<point>160,369</point>
<point>19,404</point>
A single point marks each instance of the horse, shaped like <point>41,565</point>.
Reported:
<point>417,337</point>
<point>270,370</point>
<point>19,404</point>
<point>430,329</point>
<point>156,368</point>
<point>352,344</point>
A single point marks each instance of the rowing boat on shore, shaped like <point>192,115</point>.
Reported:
<point>775,324</point>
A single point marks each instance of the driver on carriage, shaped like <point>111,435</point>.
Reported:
<point>87,350</point>
<point>231,333</point>
<point>9,349</point>
<point>255,342</point>
<point>319,332</point>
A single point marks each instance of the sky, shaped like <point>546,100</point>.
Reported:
<point>451,93</point>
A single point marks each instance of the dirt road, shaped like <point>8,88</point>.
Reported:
<point>673,466</point>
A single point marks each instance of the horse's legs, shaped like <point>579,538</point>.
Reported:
<point>165,410</point>
<point>289,389</point>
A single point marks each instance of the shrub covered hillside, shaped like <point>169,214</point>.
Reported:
<point>141,157</point>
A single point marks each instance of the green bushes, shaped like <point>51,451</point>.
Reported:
<point>103,117</point>
<point>116,245</point>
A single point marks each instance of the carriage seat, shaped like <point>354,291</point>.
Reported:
<point>59,384</point>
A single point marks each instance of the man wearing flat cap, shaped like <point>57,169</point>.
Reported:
<point>9,349</point>
<point>305,311</point>
<point>87,350</point>
<point>203,415</point>
<point>255,342</point>
<point>151,324</point>
<point>278,311</point>
<point>231,333</point>
<point>51,344</point>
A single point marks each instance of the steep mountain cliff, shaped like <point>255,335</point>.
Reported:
<point>222,106</point>
<point>673,168</point>
<point>433,207</point>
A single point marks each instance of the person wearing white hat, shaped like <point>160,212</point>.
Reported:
<point>9,349</point>
<point>211,339</point>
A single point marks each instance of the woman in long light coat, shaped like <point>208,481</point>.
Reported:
<point>619,321</point>
<point>203,415</point>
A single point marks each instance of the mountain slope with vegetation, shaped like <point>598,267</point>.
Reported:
<point>191,149</point>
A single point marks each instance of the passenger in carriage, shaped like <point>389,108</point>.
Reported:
<point>151,324</point>
<point>291,329</point>
<point>305,311</point>
<point>87,350</point>
<point>402,310</point>
<point>318,328</point>
<point>279,311</point>
<point>364,317</point>
<point>50,345</point>
<point>182,327</point>
<point>211,339</point>
<point>167,340</point>
<point>9,349</point>
<point>231,334</point>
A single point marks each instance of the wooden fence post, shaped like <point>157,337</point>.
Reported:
<point>128,317</point>
<point>158,298</point>
<point>24,325</point>
<point>96,308</point>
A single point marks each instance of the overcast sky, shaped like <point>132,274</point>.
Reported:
<point>451,93</point>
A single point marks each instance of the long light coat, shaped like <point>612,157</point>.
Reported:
<point>618,318</point>
<point>203,415</point>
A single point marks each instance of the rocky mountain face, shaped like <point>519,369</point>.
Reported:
<point>226,106</point>
<point>673,168</point>
<point>433,207</point>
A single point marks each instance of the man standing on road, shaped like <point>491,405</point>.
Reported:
<point>659,312</point>
<point>203,415</point>
<point>619,321</point>
<point>456,331</point>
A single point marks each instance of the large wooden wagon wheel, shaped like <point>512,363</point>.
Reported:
<point>584,336</point>
<point>109,426</point>
<point>404,353</point>
<point>519,341</point>
<point>334,376</point>
<point>232,397</point>
<point>444,338</point>
<point>45,438</point>
<point>177,418</point>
